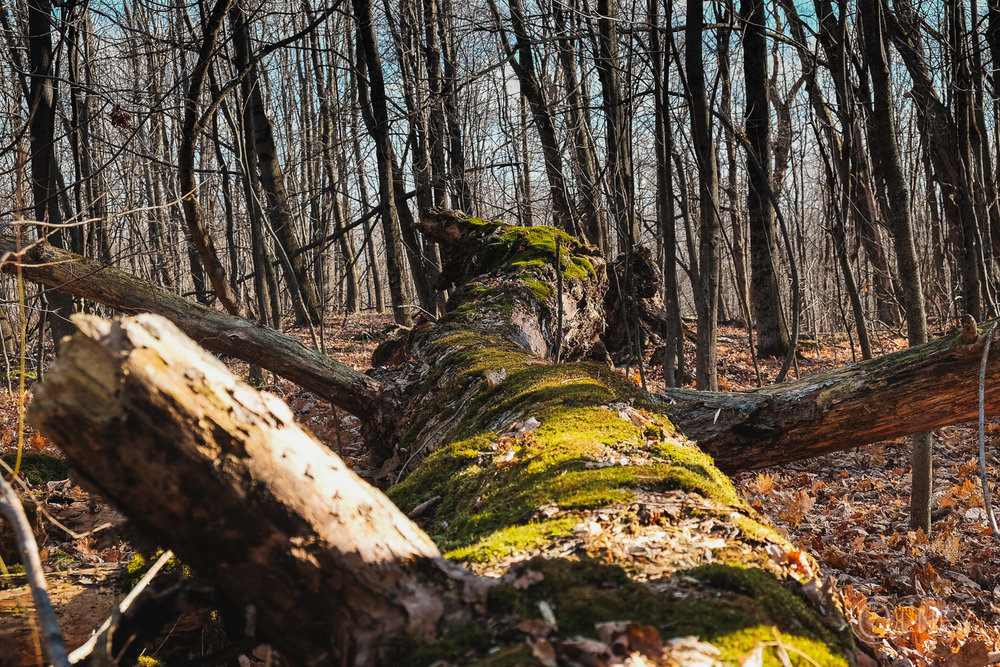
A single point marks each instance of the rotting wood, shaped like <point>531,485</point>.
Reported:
<point>221,473</point>
<point>564,472</point>
<point>918,389</point>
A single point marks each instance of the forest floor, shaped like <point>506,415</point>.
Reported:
<point>913,599</point>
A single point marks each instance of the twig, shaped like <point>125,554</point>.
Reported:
<point>99,644</point>
<point>982,432</point>
<point>559,298</point>
<point>10,506</point>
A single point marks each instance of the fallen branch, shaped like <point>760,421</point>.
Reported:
<point>918,389</point>
<point>10,507</point>
<point>219,332</point>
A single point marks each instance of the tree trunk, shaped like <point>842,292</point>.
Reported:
<point>308,306</point>
<point>706,283</point>
<point>618,133</point>
<point>193,126</point>
<point>583,147</point>
<point>531,88</point>
<point>940,130</point>
<point>882,129</point>
<point>44,166</point>
<point>772,338</point>
<point>337,575</point>
<point>372,99</point>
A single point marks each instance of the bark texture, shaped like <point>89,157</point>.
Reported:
<point>564,472</point>
<point>918,389</point>
<point>222,474</point>
<point>217,331</point>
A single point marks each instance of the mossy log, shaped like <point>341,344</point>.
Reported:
<point>565,478</point>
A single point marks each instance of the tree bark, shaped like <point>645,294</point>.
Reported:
<point>772,338</point>
<point>336,574</point>
<point>889,168</point>
<point>618,128</point>
<point>918,389</point>
<point>217,331</point>
<point>316,552</point>
<point>372,98</point>
<point>44,166</point>
<point>706,285</point>
<point>531,88</point>
<point>308,306</point>
<point>193,125</point>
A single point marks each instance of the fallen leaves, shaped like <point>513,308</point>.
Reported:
<point>619,643</point>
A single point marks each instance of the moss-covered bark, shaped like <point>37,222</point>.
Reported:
<point>563,478</point>
<point>569,471</point>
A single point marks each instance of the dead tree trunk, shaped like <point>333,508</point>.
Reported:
<point>566,472</point>
<point>320,555</point>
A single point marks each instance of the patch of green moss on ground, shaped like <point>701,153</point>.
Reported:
<point>735,612</point>
<point>759,585</point>
<point>462,645</point>
<point>39,468</point>
<point>758,531</point>
<point>138,565</point>
<point>454,644</point>
<point>149,661</point>
<point>737,645</point>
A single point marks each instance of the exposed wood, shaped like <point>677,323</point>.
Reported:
<point>222,474</point>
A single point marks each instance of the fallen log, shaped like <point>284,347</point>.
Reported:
<point>922,388</point>
<point>215,330</point>
<point>607,523</point>
<point>220,472</point>
<point>911,391</point>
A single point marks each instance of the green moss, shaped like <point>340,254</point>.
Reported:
<point>60,557</point>
<point>503,495</point>
<point>542,290</point>
<point>785,608</point>
<point>513,539</point>
<point>39,468</point>
<point>456,643</point>
<point>148,661</point>
<point>533,248</point>
<point>737,645</point>
<point>484,504</point>
<point>488,509</point>
<point>758,531</point>
<point>733,608</point>
<point>138,565</point>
